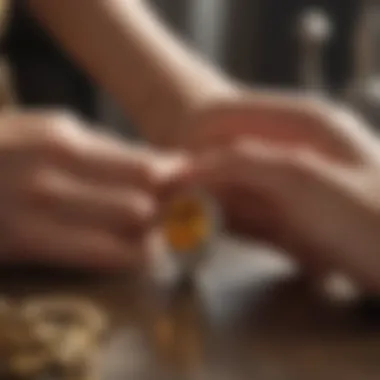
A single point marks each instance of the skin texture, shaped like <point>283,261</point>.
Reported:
<point>176,99</point>
<point>323,211</point>
<point>306,180</point>
<point>75,197</point>
<point>125,47</point>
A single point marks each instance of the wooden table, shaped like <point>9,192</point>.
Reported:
<point>250,317</point>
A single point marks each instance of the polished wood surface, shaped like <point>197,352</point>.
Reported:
<point>248,316</point>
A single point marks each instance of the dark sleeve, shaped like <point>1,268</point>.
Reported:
<point>44,75</point>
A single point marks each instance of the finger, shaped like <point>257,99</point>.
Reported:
<point>267,167</point>
<point>289,121</point>
<point>47,241</point>
<point>256,214</point>
<point>328,219</point>
<point>235,166</point>
<point>277,121</point>
<point>105,159</point>
<point>65,140</point>
<point>69,198</point>
<point>287,182</point>
<point>249,213</point>
<point>176,179</point>
<point>325,207</point>
<point>169,169</point>
<point>108,160</point>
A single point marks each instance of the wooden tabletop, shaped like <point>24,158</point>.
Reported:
<point>248,316</point>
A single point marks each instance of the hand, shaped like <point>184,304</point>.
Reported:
<point>71,196</point>
<point>287,120</point>
<point>325,213</point>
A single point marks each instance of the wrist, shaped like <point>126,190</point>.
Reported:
<point>170,119</point>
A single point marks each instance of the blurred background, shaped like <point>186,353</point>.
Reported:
<point>258,41</point>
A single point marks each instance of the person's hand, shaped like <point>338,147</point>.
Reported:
<point>286,119</point>
<point>324,212</point>
<point>71,196</point>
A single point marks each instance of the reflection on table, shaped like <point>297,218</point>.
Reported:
<point>249,314</point>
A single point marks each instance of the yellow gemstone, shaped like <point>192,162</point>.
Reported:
<point>187,224</point>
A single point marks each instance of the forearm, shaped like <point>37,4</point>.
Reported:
<point>126,49</point>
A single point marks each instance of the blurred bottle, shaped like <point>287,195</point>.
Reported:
<point>363,93</point>
<point>314,31</point>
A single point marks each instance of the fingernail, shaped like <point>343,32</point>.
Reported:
<point>168,167</point>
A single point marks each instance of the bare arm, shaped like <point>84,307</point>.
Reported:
<point>123,45</point>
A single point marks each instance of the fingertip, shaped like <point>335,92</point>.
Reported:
<point>146,208</point>
<point>182,175</point>
<point>165,167</point>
